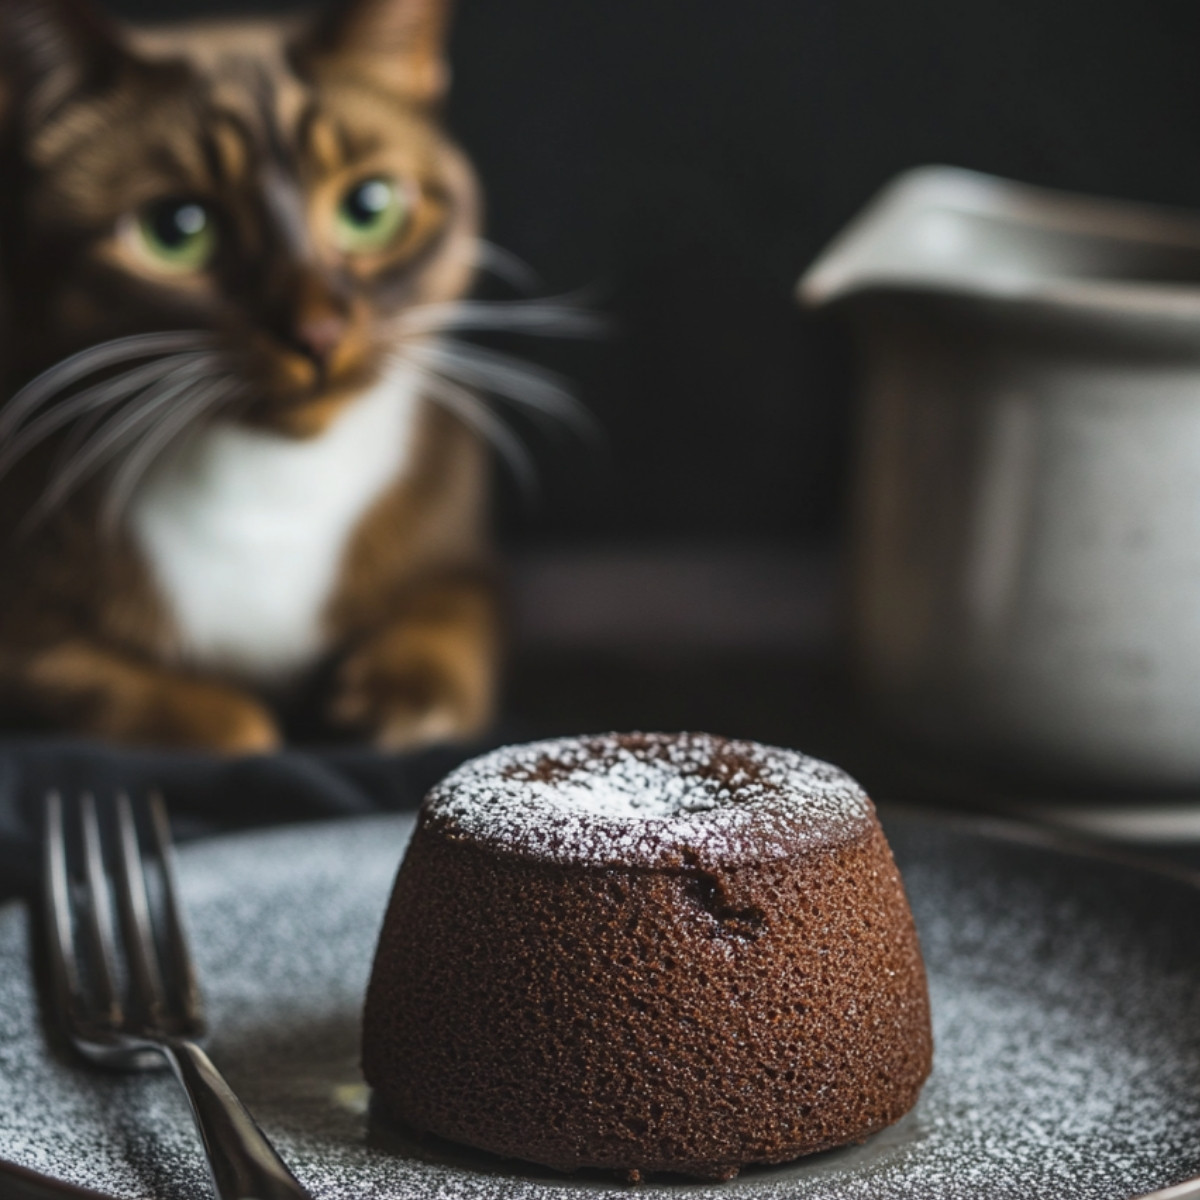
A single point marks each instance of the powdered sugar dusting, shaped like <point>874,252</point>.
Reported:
<point>1066,1022</point>
<point>649,800</point>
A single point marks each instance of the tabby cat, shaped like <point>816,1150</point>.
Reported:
<point>226,250</point>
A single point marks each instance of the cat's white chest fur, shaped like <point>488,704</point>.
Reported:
<point>245,531</point>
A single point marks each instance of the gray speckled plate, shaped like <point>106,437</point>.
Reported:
<point>1066,999</point>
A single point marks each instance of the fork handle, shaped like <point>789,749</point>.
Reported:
<point>244,1164</point>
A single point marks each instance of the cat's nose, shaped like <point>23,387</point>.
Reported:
<point>320,335</point>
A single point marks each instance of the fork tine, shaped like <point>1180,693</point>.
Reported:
<point>145,979</point>
<point>181,972</point>
<point>64,972</point>
<point>96,918</point>
<point>242,1162</point>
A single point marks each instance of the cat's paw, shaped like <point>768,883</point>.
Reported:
<point>409,690</point>
<point>189,714</point>
<point>227,723</point>
<point>98,692</point>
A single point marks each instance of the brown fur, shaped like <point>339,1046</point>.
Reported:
<point>276,121</point>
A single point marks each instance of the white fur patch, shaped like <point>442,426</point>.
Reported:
<point>245,530</point>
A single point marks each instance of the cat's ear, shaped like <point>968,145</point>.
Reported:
<point>53,50</point>
<point>399,44</point>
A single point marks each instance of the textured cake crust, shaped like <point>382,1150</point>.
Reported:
<point>684,1017</point>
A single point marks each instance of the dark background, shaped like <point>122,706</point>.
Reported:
<point>686,159</point>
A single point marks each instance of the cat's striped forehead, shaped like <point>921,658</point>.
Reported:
<point>222,106</point>
<point>240,102</point>
<point>258,102</point>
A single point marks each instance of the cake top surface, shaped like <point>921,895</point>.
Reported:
<point>649,799</point>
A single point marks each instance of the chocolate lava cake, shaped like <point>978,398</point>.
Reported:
<point>648,952</point>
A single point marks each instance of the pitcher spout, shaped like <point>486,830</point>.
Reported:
<point>947,231</point>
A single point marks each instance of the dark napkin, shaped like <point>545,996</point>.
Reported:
<point>205,794</point>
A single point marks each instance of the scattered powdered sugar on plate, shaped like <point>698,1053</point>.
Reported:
<point>1066,1002</point>
<point>647,799</point>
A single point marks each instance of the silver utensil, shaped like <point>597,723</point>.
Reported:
<point>125,990</point>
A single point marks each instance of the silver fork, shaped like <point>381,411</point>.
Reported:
<point>125,990</point>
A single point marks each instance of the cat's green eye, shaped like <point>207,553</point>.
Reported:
<point>178,235</point>
<point>371,214</point>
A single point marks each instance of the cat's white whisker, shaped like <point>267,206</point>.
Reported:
<point>473,412</point>
<point>56,379</point>
<point>534,388</point>
<point>91,401</point>
<point>553,317</point>
<point>186,418</point>
<point>114,436</point>
<point>504,264</point>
